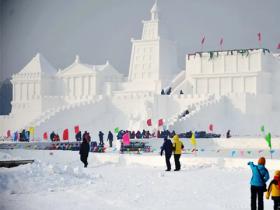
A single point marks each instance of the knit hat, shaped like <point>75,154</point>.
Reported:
<point>261,161</point>
<point>176,138</point>
<point>277,173</point>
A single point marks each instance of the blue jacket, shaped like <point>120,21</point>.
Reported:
<point>256,179</point>
<point>167,147</point>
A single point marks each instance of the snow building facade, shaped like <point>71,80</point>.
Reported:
<point>231,89</point>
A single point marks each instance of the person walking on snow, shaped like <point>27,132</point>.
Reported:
<point>177,148</point>
<point>110,138</point>
<point>101,138</point>
<point>274,190</point>
<point>259,178</point>
<point>84,150</point>
<point>167,147</point>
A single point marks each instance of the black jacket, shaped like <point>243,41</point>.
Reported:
<point>84,149</point>
<point>167,147</point>
<point>110,136</point>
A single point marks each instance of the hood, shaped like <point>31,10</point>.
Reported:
<point>176,138</point>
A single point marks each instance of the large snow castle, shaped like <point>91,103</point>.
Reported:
<point>231,89</point>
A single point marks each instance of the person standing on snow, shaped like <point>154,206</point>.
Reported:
<point>259,178</point>
<point>167,147</point>
<point>84,149</point>
<point>177,148</point>
<point>274,190</point>
<point>110,138</point>
<point>101,138</point>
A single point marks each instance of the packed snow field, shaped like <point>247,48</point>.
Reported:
<point>57,180</point>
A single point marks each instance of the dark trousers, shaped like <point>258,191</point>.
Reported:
<point>110,142</point>
<point>84,160</point>
<point>167,160</point>
<point>177,161</point>
<point>256,192</point>
<point>276,201</point>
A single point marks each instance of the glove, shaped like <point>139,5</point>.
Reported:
<point>266,196</point>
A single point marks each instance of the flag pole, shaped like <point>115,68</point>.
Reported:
<point>260,39</point>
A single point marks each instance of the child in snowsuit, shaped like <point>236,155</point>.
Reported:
<point>274,190</point>
<point>167,148</point>
<point>177,148</point>
<point>259,177</point>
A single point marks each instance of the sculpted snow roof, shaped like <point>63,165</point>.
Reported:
<point>77,68</point>
<point>38,64</point>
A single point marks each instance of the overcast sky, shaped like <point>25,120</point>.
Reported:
<point>100,30</point>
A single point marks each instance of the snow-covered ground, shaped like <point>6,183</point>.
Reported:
<point>57,180</point>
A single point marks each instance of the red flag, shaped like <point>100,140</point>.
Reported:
<point>210,127</point>
<point>203,40</point>
<point>221,41</point>
<point>45,136</point>
<point>149,122</point>
<point>259,36</point>
<point>278,46</point>
<point>160,122</point>
<point>65,134</point>
<point>8,133</point>
<point>77,129</point>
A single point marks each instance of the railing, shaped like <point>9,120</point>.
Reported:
<point>53,111</point>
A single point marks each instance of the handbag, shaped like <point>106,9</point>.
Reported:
<point>264,187</point>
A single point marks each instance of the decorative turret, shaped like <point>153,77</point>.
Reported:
<point>77,59</point>
<point>153,57</point>
<point>154,12</point>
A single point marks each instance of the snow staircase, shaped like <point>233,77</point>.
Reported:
<point>47,115</point>
<point>193,109</point>
<point>176,83</point>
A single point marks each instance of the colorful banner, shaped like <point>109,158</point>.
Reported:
<point>45,136</point>
<point>149,122</point>
<point>268,140</point>
<point>160,122</point>
<point>8,134</point>
<point>65,134</point>
<point>193,140</point>
<point>210,127</point>
<point>31,133</point>
<point>116,130</point>
<point>76,129</point>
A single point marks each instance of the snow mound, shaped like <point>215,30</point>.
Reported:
<point>45,176</point>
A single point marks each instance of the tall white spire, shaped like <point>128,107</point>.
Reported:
<point>154,11</point>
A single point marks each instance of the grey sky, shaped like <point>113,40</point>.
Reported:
<point>98,30</point>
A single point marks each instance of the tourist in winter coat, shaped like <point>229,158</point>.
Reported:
<point>177,147</point>
<point>110,138</point>
<point>101,138</point>
<point>258,183</point>
<point>52,136</point>
<point>167,147</point>
<point>274,190</point>
<point>84,150</point>
<point>78,136</point>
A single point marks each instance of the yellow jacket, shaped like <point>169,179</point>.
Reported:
<point>177,145</point>
<point>273,189</point>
